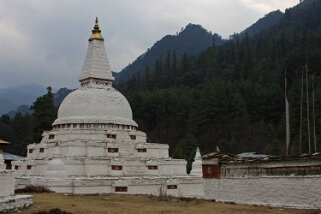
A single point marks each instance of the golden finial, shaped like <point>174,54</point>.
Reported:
<point>96,32</point>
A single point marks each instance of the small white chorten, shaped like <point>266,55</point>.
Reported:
<point>197,164</point>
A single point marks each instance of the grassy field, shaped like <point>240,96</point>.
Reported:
<point>121,204</point>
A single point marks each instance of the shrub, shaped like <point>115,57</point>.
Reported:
<point>53,211</point>
<point>32,188</point>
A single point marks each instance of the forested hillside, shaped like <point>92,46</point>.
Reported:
<point>232,96</point>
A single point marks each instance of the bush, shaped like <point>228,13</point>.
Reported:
<point>53,211</point>
<point>32,188</point>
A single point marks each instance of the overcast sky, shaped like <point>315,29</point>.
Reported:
<point>45,41</point>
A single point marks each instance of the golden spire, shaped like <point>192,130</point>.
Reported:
<point>96,32</point>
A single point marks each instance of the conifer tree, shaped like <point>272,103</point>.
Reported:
<point>44,114</point>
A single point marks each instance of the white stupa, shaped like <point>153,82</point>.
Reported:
<point>95,145</point>
<point>197,164</point>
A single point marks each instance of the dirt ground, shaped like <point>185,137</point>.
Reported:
<point>140,204</point>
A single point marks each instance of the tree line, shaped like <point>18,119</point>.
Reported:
<point>24,129</point>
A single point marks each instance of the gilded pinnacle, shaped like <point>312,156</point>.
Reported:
<point>96,32</point>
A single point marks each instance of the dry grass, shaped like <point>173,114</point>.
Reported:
<point>121,204</point>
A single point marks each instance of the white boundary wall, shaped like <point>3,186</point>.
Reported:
<point>296,191</point>
<point>187,186</point>
<point>15,202</point>
<point>6,183</point>
<point>8,201</point>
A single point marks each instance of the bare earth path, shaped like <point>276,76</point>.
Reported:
<point>121,204</point>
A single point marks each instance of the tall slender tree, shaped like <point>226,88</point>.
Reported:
<point>313,113</point>
<point>308,107</point>
<point>301,113</point>
<point>287,115</point>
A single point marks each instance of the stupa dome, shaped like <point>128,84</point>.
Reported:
<point>95,105</point>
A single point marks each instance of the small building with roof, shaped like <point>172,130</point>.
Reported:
<point>8,200</point>
<point>8,158</point>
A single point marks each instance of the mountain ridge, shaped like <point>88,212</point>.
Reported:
<point>269,20</point>
<point>192,40</point>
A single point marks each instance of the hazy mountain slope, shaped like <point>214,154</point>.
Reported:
<point>60,95</point>
<point>5,106</point>
<point>11,98</point>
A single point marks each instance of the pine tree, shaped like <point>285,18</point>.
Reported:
<point>43,116</point>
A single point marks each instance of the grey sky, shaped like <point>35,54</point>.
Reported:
<point>45,41</point>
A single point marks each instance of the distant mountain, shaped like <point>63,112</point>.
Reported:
<point>23,109</point>
<point>60,95</point>
<point>264,23</point>
<point>307,2</point>
<point>5,106</point>
<point>192,40</point>
<point>12,98</point>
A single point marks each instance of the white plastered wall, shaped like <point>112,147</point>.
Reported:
<point>296,191</point>
<point>6,183</point>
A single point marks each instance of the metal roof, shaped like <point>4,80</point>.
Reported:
<point>250,157</point>
<point>12,157</point>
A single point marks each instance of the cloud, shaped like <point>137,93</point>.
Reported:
<point>45,42</point>
<point>265,6</point>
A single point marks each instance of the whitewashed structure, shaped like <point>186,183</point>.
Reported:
<point>8,200</point>
<point>95,145</point>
